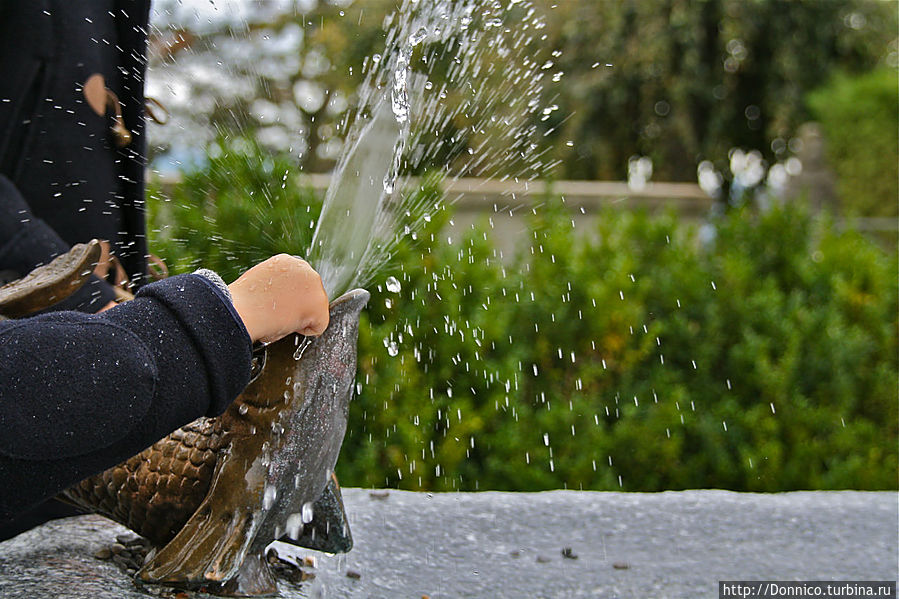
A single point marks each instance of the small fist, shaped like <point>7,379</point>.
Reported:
<point>279,296</point>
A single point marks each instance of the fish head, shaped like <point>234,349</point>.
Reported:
<point>317,375</point>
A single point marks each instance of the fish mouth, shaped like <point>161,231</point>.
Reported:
<point>351,302</point>
<point>344,308</point>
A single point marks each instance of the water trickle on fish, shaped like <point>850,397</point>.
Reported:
<point>268,497</point>
<point>294,526</point>
<point>307,513</point>
<point>302,347</point>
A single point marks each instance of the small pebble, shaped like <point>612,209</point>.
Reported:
<point>309,560</point>
<point>567,552</point>
<point>384,494</point>
<point>515,553</point>
<point>103,553</point>
<point>127,539</point>
<point>621,565</point>
<point>116,548</point>
<point>542,559</point>
<point>293,575</point>
<point>354,574</point>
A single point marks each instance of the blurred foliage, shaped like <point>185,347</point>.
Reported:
<point>683,81</point>
<point>240,208</point>
<point>860,119</point>
<point>286,76</point>
<point>293,79</point>
<point>630,356</point>
<point>678,81</point>
<point>765,363</point>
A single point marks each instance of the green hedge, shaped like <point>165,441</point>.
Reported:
<point>860,119</point>
<point>767,361</point>
<point>238,210</point>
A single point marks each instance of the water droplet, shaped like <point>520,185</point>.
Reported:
<point>302,347</point>
<point>294,526</point>
<point>393,285</point>
<point>417,37</point>
<point>268,497</point>
<point>307,512</point>
<point>392,348</point>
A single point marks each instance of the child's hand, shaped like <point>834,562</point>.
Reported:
<point>279,296</point>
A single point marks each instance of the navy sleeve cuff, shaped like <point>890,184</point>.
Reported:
<point>217,333</point>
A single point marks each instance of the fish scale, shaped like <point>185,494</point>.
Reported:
<point>154,492</point>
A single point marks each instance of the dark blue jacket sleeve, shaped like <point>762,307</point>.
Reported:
<point>80,393</point>
<point>27,242</point>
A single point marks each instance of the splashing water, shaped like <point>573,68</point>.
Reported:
<point>344,237</point>
<point>393,285</point>
<point>346,240</point>
<point>454,94</point>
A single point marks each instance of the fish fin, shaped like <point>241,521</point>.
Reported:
<point>212,544</point>
<point>329,530</point>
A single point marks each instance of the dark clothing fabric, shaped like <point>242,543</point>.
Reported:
<point>27,242</point>
<point>54,149</point>
<point>49,510</point>
<point>83,392</point>
<point>80,392</point>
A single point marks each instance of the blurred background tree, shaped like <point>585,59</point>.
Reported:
<point>683,81</point>
<point>678,81</point>
<point>288,75</point>
<point>283,74</point>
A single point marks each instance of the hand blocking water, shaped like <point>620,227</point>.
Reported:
<point>279,296</point>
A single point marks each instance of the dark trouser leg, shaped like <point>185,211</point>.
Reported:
<point>49,510</point>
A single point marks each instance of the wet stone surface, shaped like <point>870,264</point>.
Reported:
<point>555,544</point>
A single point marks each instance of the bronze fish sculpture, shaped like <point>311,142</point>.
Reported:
<point>212,495</point>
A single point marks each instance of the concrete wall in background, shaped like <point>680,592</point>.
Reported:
<point>506,205</point>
